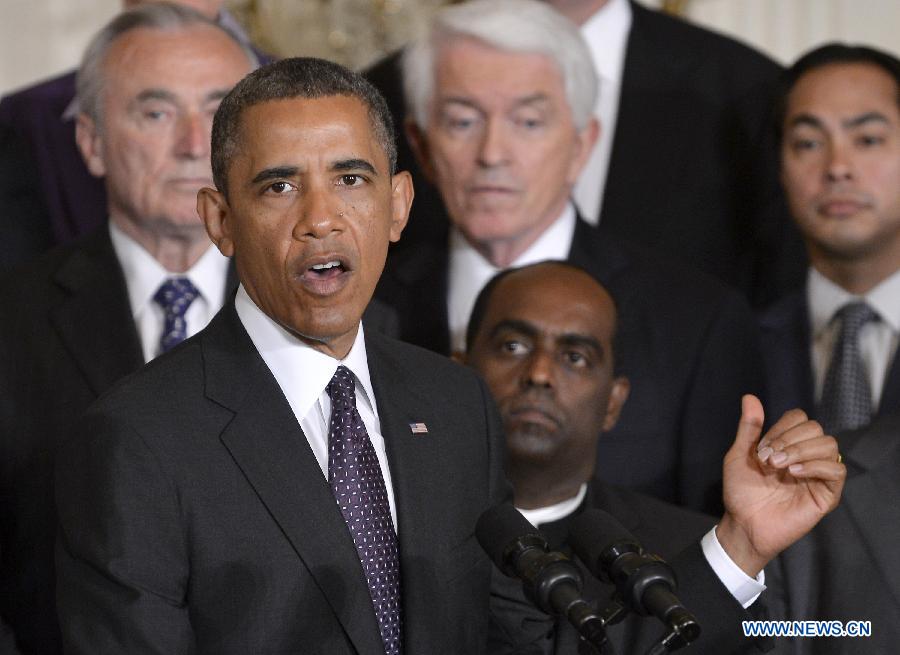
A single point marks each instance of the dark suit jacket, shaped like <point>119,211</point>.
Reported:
<point>687,343</point>
<point>846,568</point>
<point>785,340</point>
<point>195,518</point>
<point>665,530</point>
<point>693,171</point>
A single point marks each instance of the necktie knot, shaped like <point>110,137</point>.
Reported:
<point>342,390</point>
<point>854,316</point>
<point>174,295</point>
<point>846,402</point>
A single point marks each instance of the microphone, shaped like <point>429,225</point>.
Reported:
<point>550,579</point>
<point>645,582</point>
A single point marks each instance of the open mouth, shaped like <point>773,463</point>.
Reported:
<point>325,275</point>
<point>326,271</point>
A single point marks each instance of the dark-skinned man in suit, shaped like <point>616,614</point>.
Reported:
<point>543,336</point>
<point>287,481</point>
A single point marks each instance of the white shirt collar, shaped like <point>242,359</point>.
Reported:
<point>144,275</point>
<point>300,370</point>
<point>824,298</point>
<point>554,512</point>
<point>606,33</point>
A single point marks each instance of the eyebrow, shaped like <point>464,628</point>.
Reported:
<point>275,172</point>
<point>353,165</point>
<point>534,98</point>
<point>341,165</point>
<point>849,123</point>
<point>167,96</point>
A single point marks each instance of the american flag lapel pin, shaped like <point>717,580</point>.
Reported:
<point>418,428</point>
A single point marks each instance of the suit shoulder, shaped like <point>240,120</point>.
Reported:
<point>783,311</point>
<point>419,365</point>
<point>678,34</point>
<point>48,95</point>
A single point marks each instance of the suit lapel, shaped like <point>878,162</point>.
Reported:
<point>873,459</point>
<point>271,450</point>
<point>417,475</point>
<point>94,320</point>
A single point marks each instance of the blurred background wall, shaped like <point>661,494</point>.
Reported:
<point>39,38</point>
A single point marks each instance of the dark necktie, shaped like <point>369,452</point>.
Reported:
<point>174,295</point>
<point>846,395</point>
<point>358,486</point>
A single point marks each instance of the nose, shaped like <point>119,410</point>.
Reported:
<point>539,370</point>
<point>319,214</point>
<point>839,165</point>
<point>493,150</point>
<point>192,140</point>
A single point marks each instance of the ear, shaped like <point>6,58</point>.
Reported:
<point>418,143</point>
<point>621,387</point>
<point>216,215</point>
<point>90,144</point>
<point>585,140</point>
<point>401,200</point>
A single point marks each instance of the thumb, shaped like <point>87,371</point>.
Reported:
<point>750,426</point>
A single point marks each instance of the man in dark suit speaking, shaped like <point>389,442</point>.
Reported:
<point>286,481</point>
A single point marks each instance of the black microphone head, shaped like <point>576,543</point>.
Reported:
<point>599,539</point>
<point>503,532</point>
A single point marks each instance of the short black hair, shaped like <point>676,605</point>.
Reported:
<point>826,55</point>
<point>487,292</point>
<point>298,77</point>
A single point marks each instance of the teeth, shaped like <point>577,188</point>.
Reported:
<point>322,267</point>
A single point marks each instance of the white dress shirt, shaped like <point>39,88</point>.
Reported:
<point>303,373</point>
<point>144,275</point>
<point>877,339</point>
<point>606,33</point>
<point>470,271</point>
<point>744,588</point>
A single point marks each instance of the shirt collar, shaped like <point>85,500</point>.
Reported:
<point>825,298</point>
<point>144,275</point>
<point>302,372</point>
<point>606,33</point>
<point>554,512</point>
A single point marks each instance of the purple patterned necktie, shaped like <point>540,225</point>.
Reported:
<point>846,395</point>
<point>358,486</point>
<point>174,295</point>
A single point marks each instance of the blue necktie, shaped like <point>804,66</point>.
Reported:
<point>358,486</point>
<point>174,295</point>
<point>846,395</point>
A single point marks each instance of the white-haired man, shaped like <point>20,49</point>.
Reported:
<point>502,96</point>
<point>685,163</point>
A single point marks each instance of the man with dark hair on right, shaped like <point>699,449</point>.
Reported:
<point>543,338</point>
<point>832,347</point>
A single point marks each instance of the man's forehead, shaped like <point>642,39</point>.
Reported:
<point>555,300</point>
<point>466,63</point>
<point>294,131</point>
<point>843,87</point>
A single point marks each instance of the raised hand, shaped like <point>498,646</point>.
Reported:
<point>776,489</point>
